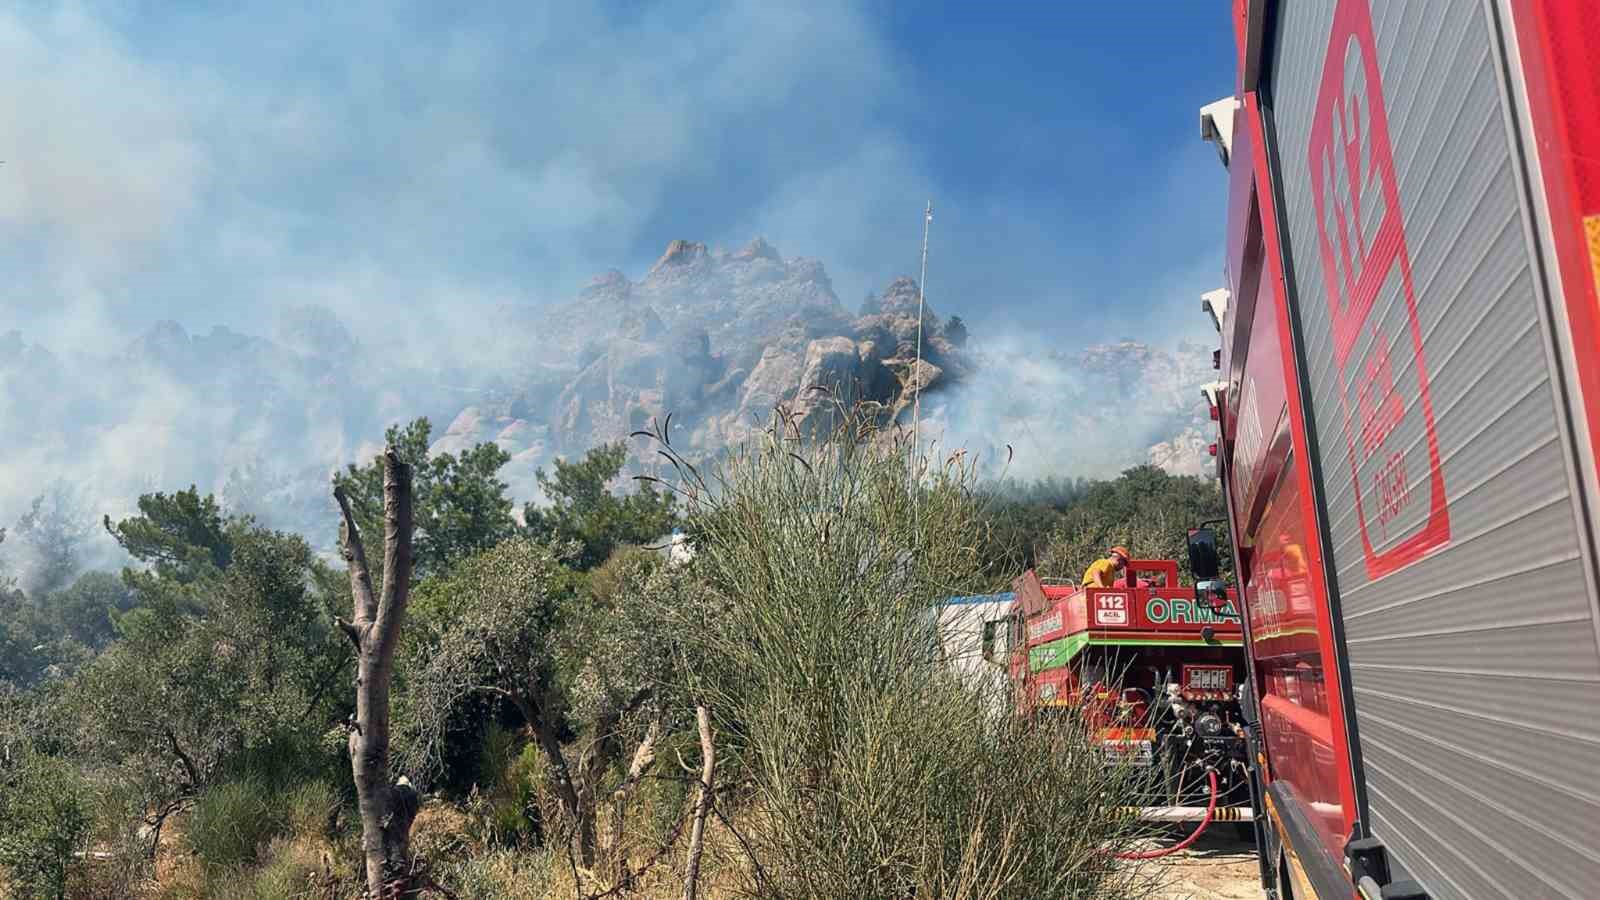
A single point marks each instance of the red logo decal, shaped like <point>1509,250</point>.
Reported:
<point>1363,246</point>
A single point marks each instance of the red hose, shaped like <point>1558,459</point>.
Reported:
<point>1210,808</point>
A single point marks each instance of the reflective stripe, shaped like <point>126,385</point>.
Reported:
<point>1591,228</point>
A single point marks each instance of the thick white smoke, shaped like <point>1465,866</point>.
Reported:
<point>1068,411</point>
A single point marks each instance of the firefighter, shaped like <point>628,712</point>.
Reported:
<point>1103,572</point>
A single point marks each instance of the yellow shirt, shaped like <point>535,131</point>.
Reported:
<point>1101,573</point>
<point>1294,559</point>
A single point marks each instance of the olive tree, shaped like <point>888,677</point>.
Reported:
<point>511,624</point>
<point>214,673</point>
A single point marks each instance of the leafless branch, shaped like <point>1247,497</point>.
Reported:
<point>355,558</point>
<point>387,810</point>
<point>708,755</point>
<point>761,873</point>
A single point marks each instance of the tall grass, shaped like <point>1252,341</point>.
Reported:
<point>232,821</point>
<point>871,770</point>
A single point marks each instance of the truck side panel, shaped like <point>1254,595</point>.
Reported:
<point>1553,46</point>
<point>1308,777</point>
<point>1452,492</point>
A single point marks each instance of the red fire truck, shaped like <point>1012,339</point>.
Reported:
<point>1154,669</point>
<point>1408,405</point>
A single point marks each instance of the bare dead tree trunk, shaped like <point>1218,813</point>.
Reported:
<point>643,758</point>
<point>708,772</point>
<point>387,809</point>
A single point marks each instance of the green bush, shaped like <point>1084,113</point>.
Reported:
<point>659,804</point>
<point>289,755</point>
<point>44,820</point>
<point>874,772</point>
<point>495,755</point>
<point>281,878</point>
<point>291,869</point>
<point>231,822</point>
<point>525,785</point>
<point>509,811</point>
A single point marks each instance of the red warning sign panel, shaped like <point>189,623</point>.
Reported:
<point>1111,610</point>
<point>1383,378</point>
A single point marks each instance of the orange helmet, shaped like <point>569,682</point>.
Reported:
<point>1121,551</point>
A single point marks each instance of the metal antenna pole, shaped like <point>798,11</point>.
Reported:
<point>916,373</point>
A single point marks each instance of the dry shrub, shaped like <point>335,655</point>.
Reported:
<point>441,831</point>
<point>294,868</point>
<point>310,809</point>
<point>500,875</point>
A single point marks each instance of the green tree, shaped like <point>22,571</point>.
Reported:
<point>582,509</point>
<point>1146,510</point>
<point>461,506</point>
<point>511,627</point>
<point>1017,521</point>
<point>86,610</point>
<point>239,668</point>
<point>22,656</point>
<point>182,536</point>
<point>33,643</point>
<point>7,580</point>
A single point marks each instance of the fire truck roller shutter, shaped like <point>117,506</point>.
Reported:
<point>1444,459</point>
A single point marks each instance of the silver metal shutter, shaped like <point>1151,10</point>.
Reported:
<point>1475,664</point>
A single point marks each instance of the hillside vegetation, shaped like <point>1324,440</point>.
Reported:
<point>178,730</point>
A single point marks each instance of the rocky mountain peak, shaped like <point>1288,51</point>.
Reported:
<point>758,249</point>
<point>313,331</point>
<point>641,325</point>
<point>900,298</point>
<point>718,339</point>
<point>680,253</point>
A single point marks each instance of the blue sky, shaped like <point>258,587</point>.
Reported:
<point>164,160</point>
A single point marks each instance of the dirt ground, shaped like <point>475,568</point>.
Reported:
<point>1220,866</point>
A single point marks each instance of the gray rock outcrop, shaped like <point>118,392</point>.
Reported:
<point>719,339</point>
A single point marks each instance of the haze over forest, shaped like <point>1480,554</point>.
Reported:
<point>715,337</point>
<point>242,258</point>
